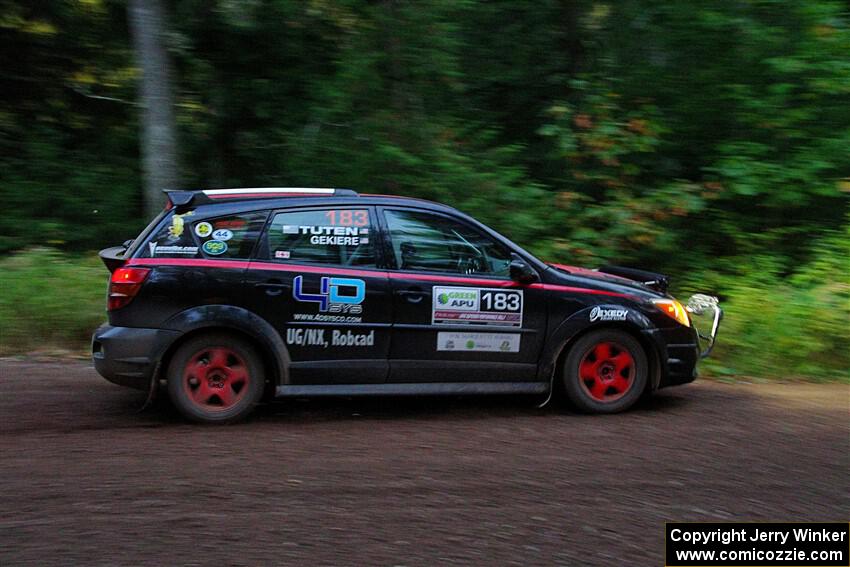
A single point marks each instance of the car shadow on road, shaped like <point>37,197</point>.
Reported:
<point>322,409</point>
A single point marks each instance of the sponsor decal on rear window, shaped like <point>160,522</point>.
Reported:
<point>203,229</point>
<point>222,234</point>
<point>215,247</point>
<point>476,306</point>
<point>478,342</point>
<point>175,231</point>
<point>157,249</point>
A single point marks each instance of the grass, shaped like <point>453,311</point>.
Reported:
<point>50,301</point>
<point>786,326</point>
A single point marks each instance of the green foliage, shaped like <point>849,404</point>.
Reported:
<point>786,327</point>
<point>50,300</point>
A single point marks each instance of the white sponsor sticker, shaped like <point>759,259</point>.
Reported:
<point>476,306</point>
<point>330,235</point>
<point>156,249</point>
<point>203,229</point>
<point>478,342</point>
<point>282,254</point>
<point>222,234</point>
<point>600,314</point>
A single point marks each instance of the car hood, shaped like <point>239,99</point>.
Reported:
<point>650,283</point>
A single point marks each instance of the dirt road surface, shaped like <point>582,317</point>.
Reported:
<point>87,480</point>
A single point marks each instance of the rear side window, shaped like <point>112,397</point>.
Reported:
<point>173,240</point>
<point>183,236</point>
<point>338,237</point>
<point>232,236</point>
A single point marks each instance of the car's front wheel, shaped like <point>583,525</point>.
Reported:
<point>605,371</point>
<point>215,378</point>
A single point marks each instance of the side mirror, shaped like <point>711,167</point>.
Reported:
<point>522,272</point>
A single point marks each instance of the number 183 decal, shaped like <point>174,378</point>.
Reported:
<point>477,306</point>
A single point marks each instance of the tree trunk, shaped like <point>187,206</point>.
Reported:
<point>158,138</point>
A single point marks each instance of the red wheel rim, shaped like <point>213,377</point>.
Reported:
<point>216,378</point>
<point>607,371</point>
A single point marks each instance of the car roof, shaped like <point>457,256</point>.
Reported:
<point>253,198</point>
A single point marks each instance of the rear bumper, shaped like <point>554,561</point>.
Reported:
<point>129,356</point>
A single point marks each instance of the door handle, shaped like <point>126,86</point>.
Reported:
<point>272,287</point>
<point>413,295</point>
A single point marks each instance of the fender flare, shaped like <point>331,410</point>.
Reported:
<point>580,323</point>
<point>239,319</point>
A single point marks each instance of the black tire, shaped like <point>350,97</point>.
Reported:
<point>216,378</point>
<point>598,383</point>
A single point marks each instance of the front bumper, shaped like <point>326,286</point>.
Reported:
<point>678,353</point>
<point>129,356</point>
<point>680,348</point>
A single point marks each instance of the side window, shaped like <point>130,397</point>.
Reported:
<point>233,236</point>
<point>426,242</point>
<point>339,237</point>
<point>174,240</point>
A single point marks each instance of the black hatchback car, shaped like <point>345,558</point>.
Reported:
<point>233,295</point>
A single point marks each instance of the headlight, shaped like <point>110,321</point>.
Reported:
<point>674,310</point>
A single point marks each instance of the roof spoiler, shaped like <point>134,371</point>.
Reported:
<point>178,198</point>
<point>652,280</point>
<point>181,199</point>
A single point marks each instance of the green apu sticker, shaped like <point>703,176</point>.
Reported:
<point>215,247</point>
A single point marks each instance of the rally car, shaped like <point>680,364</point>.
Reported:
<point>230,296</point>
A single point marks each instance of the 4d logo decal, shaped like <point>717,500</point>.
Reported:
<point>336,295</point>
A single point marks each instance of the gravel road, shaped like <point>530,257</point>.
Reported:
<point>89,480</point>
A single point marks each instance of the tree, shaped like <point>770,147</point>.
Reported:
<point>158,139</point>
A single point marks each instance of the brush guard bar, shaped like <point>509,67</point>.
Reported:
<point>700,304</point>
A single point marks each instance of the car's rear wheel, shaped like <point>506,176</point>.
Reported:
<point>215,378</point>
<point>605,371</point>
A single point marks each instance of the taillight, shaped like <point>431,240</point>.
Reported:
<point>124,284</point>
